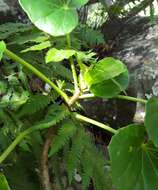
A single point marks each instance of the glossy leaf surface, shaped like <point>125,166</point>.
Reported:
<point>134,163</point>
<point>54,17</point>
<point>151,119</point>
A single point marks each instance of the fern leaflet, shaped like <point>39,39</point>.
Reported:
<point>34,104</point>
<point>74,155</point>
<point>66,131</point>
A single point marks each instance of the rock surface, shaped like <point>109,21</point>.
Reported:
<point>138,49</point>
<point>10,11</point>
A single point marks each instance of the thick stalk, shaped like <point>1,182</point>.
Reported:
<point>129,98</point>
<point>19,60</point>
<point>28,131</point>
<point>72,65</point>
<point>133,99</point>
<point>94,122</point>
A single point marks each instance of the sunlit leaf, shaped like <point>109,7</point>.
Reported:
<point>38,47</point>
<point>56,55</point>
<point>54,17</point>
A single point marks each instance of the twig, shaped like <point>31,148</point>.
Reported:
<point>45,178</point>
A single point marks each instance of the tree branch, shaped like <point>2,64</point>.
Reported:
<point>45,178</point>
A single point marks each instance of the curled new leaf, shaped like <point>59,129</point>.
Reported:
<point>54,17</point>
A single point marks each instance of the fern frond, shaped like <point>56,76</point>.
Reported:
<point>67,130</point>
<point>9,29</point>
<point>35,103</point>
<point>61,70</point>
<point>74,155</point>
<point>90,36</point>
<point>87,168</point>
<point>93,164</point>
<point>99,175</point>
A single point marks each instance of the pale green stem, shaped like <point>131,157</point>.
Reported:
<point>129,98</point>
<point>133,99</point>
<point>19,60</point>
<point>94,122</point>
<point>74,74</point>
<point>87,96</point>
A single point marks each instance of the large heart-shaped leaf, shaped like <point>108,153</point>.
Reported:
<point>54,17</point>
<point>134,163</point>
<point>151,119</point>
<point>2,49</point>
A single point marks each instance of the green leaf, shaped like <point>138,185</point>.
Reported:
<point>56,55</point>
<point>54,17</point>
<point>9,29</point>
<point>112,87</point>
<point>56,114</point>
<point>134,163</point>
<point>38,47</point>
<point>34,104</point>
<point>2,49</point>
<point>78,3</point>
<point>3,87</point>
<point>107,78</point>
<point>105,69</point>
<point>151,119</point>
<point>74,155</point>
<point>3,182</point>
<point>66,131</point>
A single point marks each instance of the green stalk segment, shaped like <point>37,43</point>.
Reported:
<point>16,142</point>
<point>16,58</point>
<point>96,123</point>
<point>133,99</point>
<point>129,98</point>
<point>74,74</point>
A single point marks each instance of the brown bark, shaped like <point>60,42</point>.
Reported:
<point>45,177</point>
